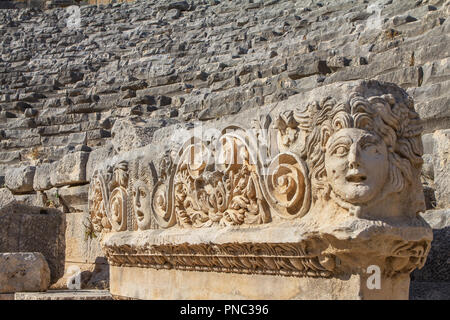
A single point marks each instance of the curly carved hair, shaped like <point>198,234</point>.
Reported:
<point>394,120</point>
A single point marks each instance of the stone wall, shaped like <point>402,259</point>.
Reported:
<point>74,94</point>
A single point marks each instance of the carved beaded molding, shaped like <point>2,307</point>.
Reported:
<point>344,158</point>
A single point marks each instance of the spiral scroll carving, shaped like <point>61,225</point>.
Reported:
<point>287,186</point>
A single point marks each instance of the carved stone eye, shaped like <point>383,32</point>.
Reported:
<point>340,151</point>
<point>370,147</point>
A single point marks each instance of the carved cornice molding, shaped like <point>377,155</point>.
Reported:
<point>315,256</point>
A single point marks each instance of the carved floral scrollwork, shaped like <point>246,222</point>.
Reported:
<point>407,256</point>
<point>108,198</point>
<point>99,203</point>
<point>229,195</point>
<point>118,205</point>
<point>287,185</point>
<point>162,195</point>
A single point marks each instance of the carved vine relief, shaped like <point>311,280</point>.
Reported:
<point>355,156</point>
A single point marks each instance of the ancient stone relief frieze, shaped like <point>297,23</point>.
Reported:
<point>320,163</point>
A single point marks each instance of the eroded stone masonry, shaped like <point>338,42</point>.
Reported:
<point>251,147</point>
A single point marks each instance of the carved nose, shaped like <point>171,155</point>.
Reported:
<point>353,156</point>
<point>137,202</point>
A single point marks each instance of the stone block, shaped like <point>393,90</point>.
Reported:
<point>96,156</point>
<point>6,197</point>
<point>6,296</point>
<point>131,133</point>
<point>72,139</point>
<point>22,272</point>
<point>34,229</point>
<point>71,169</point>
<point>92,275</point>
<point>151,284</point>
<point>65,295</point>
<point>74,198</point>
<point>42,177</point>
<point>436,71</point>
<point>82,246</point>
<point>20,180</point>
<point>441,163</point>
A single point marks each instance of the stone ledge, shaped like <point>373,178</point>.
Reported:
<point>150,284</point>
<point>65,295</point>
<point>289,249</point>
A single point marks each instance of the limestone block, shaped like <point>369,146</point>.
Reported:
<point>34,229</point>
<point>436,71</point>
<point>6,197</point>
<point>129,134</point>
<point>22,272</point>
<point>42,177</point>
<point>65,295</point>
<point>6,296</point>
<point>82,245</point>
<point>151,284</point>
<point>96,156</point>
<point>71,169</point>
<point>20,180</point>
<point>74,198</point>
<point>441,162</point>
<point>91,275</point>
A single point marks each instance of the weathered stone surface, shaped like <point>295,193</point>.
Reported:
<point>441,162</point>
<point>21,272</point>
<point>34,229</point>
<point>203,60</point>
<point>82,244</point>
<point>6,296</point>
<point>230,286</point>
<point>20,180</point>
<point>74,198</point>
<point>96,156</point>
<point>65,295</point>
<point>92,275</point>
<point>5,197</point>
<point>195,184</point>
<point>71,169</point>
<point>42,177</point>
<point>130,134</point>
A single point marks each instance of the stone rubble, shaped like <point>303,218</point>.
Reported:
<point>23,272</point>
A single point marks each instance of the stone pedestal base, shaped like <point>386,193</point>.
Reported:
<point>152,284</point>
<point>216,263</point>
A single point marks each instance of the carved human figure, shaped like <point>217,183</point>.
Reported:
<point>356,163</point>
<point>360,152</point>
<point>142,204</point>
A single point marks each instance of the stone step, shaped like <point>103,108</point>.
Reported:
<point>64,295</point>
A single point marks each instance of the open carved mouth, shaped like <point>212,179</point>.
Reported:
<point>140,215</point>
<point>355,178</point>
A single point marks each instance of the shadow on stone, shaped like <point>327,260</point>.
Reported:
<point>34,229</point>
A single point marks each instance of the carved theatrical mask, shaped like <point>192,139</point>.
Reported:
<point>356,163</point>
<point>142,204</point>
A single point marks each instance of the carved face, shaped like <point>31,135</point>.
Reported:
<point>142,206</point>
<point>356,163</point>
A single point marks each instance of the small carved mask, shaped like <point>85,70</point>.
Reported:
<point>142,206</point>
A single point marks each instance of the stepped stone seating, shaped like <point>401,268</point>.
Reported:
<point>76,92</point>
